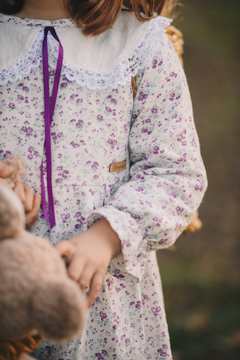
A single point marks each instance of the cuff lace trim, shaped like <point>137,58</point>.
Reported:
<point>119,75</point>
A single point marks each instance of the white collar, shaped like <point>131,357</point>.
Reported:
<point>108,59</point>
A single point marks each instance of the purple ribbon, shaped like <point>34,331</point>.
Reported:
<point>49,106</point>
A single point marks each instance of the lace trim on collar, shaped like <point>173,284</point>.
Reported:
<point>119,75</point>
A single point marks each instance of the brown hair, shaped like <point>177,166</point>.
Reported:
<point>96,16</point>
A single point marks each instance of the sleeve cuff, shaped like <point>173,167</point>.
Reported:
<point>134,250</point>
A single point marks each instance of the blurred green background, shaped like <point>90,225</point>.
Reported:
<point>201,278</point>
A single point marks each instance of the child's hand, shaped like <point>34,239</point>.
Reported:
<point>88,255</point>
<point>5,170</point>
<point>30,202</point>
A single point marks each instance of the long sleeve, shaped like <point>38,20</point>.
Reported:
<point>167,177</point>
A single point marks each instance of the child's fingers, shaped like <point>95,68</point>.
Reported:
<point>19,190</point>
<point>95,287</point>
<point>30,224</point>
<point>29,194</point>
<point>5,170</point>
<point>65,250</point>
<point>76,267</point>
<point>86,276</point>
<point>32,216</point>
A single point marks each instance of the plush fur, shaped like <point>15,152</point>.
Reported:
<point>19,170</point>
<point>37,298</point>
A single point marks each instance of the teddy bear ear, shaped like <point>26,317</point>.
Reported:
<point>59,309</point>
<point>12,217</point>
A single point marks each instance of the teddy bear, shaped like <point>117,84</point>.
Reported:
<point>37,298</point>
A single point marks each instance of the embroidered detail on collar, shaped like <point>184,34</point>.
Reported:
<point>119,75</point>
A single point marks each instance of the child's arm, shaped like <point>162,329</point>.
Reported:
<point>167,176</point>
<point>88,255</point>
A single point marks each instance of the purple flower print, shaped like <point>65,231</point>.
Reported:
<point>79,123</point>
<point>154,110</point>
<point>73,96</point>
<point>65,217</point>
<point>156,310</point>
<point>142,96</point>
<point>49,350</point>
<point>11,106</point>
<point>27,130</point>
<point>7,153</point>
<point>92,191</point>
<point>100,117</point>
<point>138,305</point>
<point>75,145</point>
<point>25,88</point>
<point>162,352</point>
<point>95,165</point>
<point>125,128</point>
<point>103,315</point>
<point>155,150</point>
<point>179,210</point>
<point>108,109</point>
<point>99,356</point>
<point>112,143</point>
<point>154,63</point>
<point>114,101</point>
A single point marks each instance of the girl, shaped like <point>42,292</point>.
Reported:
<point>119,178</point>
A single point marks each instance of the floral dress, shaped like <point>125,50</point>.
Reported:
<point>135,162</point>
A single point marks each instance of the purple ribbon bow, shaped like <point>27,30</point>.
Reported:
<point>49,106</point>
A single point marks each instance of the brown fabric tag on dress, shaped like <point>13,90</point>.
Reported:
<point>118,166</point>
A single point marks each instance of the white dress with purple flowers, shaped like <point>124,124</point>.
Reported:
<point>135,162</point>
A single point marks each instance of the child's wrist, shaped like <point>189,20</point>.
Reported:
<point>103,229</point>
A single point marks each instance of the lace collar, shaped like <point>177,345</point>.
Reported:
<point>109,59</point>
